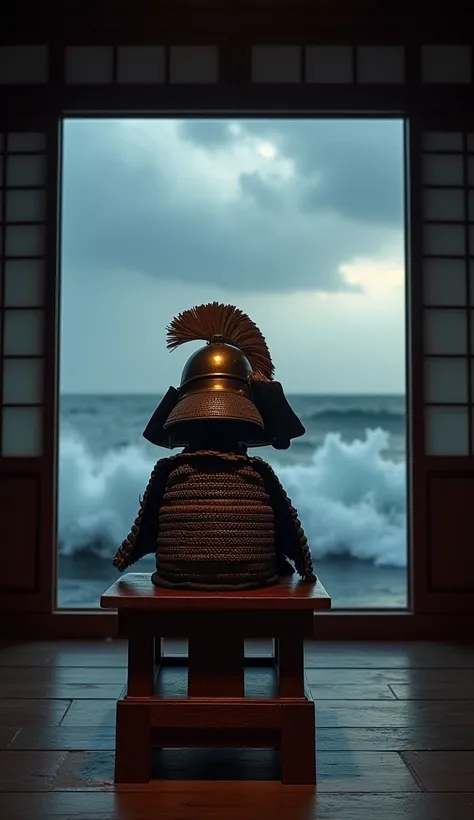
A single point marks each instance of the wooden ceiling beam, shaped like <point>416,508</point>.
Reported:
<point>216,21</point>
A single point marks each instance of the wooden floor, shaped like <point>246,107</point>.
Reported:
<point>395,738</point>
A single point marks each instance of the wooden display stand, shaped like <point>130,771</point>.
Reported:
<point>215,712</point>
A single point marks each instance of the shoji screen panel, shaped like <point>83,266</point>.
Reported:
<point>329,64</point>
<point>448,256</point>
<point>141,65</point>
<point>447,243</point>
<point>24,65</point>
<point>23,254</point>
<point>22,309</point>
<point>446,64</point>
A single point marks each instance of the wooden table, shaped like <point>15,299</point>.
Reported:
<point>215,712</point>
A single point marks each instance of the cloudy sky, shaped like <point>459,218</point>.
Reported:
<point>297,222</point>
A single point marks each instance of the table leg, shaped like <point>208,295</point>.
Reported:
<point>291,667</point>
<point>141,666</point>
<point>216,669</point>
<point>157,652</point>
<point>132,743</point>
<point>298,744</point>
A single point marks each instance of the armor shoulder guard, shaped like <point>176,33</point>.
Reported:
<point>141,539</point>
<point>290,538</point>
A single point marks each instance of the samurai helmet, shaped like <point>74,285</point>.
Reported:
<point>228,381</point>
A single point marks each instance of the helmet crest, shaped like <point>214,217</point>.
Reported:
<point>231,324</point>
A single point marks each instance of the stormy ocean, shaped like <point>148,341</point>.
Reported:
<point>346,477</point>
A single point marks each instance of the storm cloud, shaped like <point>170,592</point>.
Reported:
<point>351,166</point>
<point>257,206</point>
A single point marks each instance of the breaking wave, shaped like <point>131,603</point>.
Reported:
<point>350,498</point>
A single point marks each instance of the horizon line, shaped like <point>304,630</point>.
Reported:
<point>288,393</point>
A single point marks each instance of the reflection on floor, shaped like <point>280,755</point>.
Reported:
<point>395,740</point>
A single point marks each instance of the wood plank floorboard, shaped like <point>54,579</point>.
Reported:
<point>395,738</point>
<point>256,801</point>
<point>37,712</point>
<point>434,690</point>
<point>57,675</point>
<point>69,738</point>
<point>29,771</point>
<point>8,735</point>
<point>442,771</point>
<point>337,771</point>
<point>396,655</point>
<point>352,691</point>
<point>362,739</point>
<point>329,713</point>
<point>66,691</point>
<point>391,714</point>
<point>443,679</point>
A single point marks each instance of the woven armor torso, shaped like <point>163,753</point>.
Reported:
<point>216,528</point>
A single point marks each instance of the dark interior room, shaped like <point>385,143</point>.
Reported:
<point>293,182</point>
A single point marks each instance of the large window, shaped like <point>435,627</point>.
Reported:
<point>298,222</point>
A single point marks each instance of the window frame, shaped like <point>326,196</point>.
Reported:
<point>275,115</point>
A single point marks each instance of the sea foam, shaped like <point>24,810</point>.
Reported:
<point>350,498</point>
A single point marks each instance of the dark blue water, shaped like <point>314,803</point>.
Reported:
<point>346,477</point>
